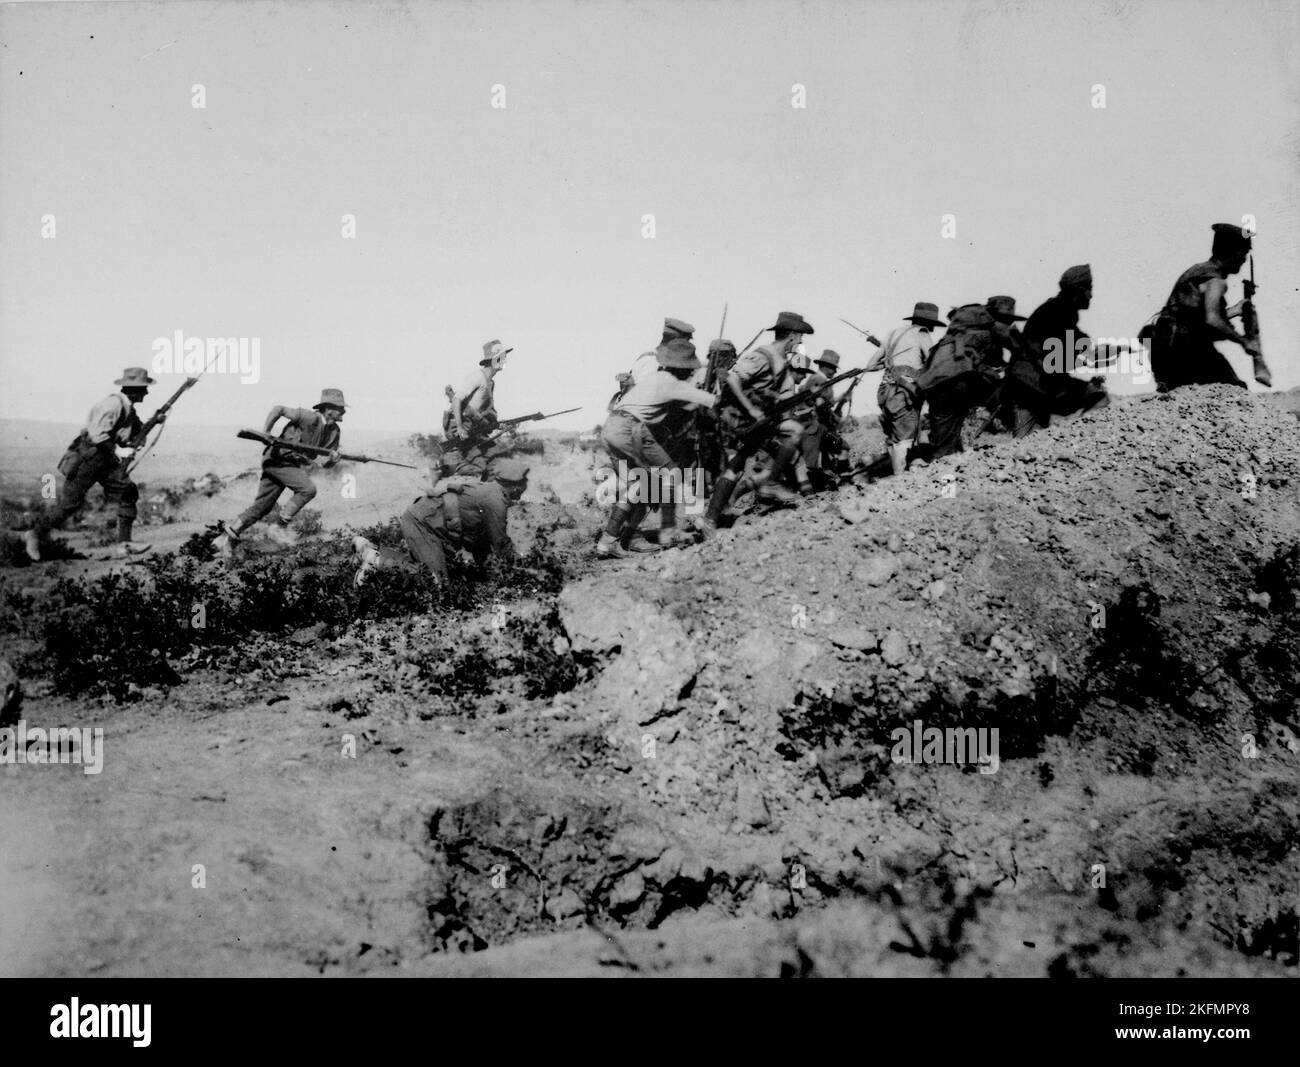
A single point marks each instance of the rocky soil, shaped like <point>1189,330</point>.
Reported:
<point>684,763</point>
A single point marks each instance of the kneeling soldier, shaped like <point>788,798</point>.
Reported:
<point>461,513</point>
<point>100,454</point>
<point>284,469</point>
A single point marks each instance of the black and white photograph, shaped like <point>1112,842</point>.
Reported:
<point>649,488</point>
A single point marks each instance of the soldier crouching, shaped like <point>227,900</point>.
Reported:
<point>461,513</point>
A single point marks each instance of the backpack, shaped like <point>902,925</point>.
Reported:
<point>964,349</point>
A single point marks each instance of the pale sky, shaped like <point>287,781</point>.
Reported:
<point>525,222</point>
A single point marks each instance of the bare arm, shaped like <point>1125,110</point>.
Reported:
<point>271,418</point>
<point>1216,317</point>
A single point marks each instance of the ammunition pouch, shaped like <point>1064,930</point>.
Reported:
<point>80,451</point>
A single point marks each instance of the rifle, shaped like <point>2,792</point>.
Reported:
<point>147,427</point>
<point>871,337</point>
<point>503,427</point>
<point>1250,327</point>
<point>536,416</point>
<point>751,343</point>
<point>313,450</point>
<point>774,413</point>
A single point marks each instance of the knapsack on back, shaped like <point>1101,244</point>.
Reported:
<point>962,350</point>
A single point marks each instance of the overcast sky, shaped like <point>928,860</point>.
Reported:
<point>526,222</point>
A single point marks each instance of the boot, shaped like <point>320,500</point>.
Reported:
<point>772,492</point>
<point>720,499</point>
<point>898,457</point>
<point>125,546</point>
<point>609,548</point>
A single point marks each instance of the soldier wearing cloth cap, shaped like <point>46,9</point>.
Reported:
<point>646,365</point>
<point>1196,316</point>
<point>643,432</point>
<point>760,378</point>
<point>282,469</point>
<point>466,511</point>
<point>99,454</point>
<point>1036,391</point>
<point>473,412</point>
<point>901,357</point>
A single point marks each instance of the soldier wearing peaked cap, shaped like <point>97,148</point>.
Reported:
<point>646,365</point>
<point>648,435</point>
<point>1040,382</point>
<point>465,511</point>
<point>100,454</point>
<point>1196,315</point>
<point>902,357</point>
<point>282,469</point>
<point>473,412</point>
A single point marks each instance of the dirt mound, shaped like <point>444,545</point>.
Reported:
<point>1033,710</point>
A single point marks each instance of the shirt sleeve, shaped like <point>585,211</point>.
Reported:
<point>103,417</point>
<point>689,394</point>
<point>751,363</point>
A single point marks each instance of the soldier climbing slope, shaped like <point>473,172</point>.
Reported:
<point>902,357</point>
<point>283,469</point>
<point>647,363</point>
<point>101,454</point>
<point>760,378</point>
<point>1195,316</point>
<point>646,430</point>
<point>1040,386</point>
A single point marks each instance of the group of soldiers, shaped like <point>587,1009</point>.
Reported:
<point>772,408</point>
<point>763,420</point>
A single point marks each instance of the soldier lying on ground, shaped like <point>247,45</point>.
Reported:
<point>465,511</point>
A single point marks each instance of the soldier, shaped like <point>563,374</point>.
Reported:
<point>473,412</point>
<point>817,416</point>
<point>759,378</point>
<point>464,512</point>
<point>644,434</point>
<point>1040,384</point>
<point>902,356</point>
<point>647,363</point>
<point>962,373</point>
<point>1195,316</point>
<point>283,469</point>
<point>100,454</point>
